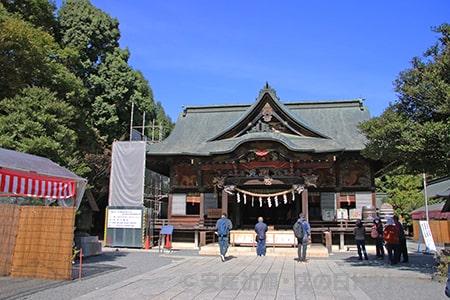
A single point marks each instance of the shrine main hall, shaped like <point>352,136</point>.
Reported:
<point>269,158</point>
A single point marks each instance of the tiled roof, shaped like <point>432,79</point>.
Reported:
<point>333,123</point>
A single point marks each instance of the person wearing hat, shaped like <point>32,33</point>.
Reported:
<point>379,240</point>
<point>392,240</point>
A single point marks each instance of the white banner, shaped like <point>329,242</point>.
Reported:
<point>427,236</point>
<point>126,186</point>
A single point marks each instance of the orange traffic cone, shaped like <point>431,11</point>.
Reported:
<point>147,243</point>
<point>167,241</point>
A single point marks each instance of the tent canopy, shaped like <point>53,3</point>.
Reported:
<point>434,212</point>
<point>23,174</point>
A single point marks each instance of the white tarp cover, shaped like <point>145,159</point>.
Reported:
<point>23,174</point>
<point>126,186</point>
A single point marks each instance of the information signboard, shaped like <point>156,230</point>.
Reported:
<point>427,236</point>
<point>124,218</point>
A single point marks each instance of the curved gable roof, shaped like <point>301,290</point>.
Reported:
<point>320,127</point>
<point>268,107</point>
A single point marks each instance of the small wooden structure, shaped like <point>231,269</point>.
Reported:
<point>36,241</point>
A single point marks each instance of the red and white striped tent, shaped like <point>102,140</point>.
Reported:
<point>29,175</point>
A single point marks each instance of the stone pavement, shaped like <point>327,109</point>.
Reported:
<point>187,275</point>
<point>278,277</point>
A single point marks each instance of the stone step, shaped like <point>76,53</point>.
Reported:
<point>314,250</point>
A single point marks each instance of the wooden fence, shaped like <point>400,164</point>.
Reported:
<point>36,241</point>
<point>440,229</point>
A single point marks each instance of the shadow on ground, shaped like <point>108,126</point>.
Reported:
<point>419,262</point>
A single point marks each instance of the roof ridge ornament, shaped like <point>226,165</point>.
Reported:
<point>268,89</point>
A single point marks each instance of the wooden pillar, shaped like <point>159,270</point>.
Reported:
<point>338,200</point>
<point>202,207</point>
<point>169,207</point>
<point>305,203</point>
<point>341,241</point>
<point>225,202</point>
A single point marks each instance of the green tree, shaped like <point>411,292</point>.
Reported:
<point>39,13</point>
<point>90,30</point>
<point>113,85</point>
<point>35,121</point>
<point>33,68</point>
<point>403,193</point>
<point>414,132</point>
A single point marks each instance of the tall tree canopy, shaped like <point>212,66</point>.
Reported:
<point>113,85</point>
<point>37,94</point>
<point>66,88</point>
<point>414,132</point>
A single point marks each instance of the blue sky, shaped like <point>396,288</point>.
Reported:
<point>222,52</point>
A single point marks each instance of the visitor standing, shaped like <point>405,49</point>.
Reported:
<point>391,238</point>
<point>377,234</point>
<point>223,227</point>
<point>403,249</point>
<point>360,239</point>
<point>302,230</point>
<point>261,229</point>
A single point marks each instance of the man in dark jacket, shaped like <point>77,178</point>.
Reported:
<point>261,229</point>
<point>302,240</point>
<point>223,227</point>
<point>403,249</point>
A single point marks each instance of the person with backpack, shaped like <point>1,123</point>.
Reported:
<point>223,227</point>
<point>302,230</point>
<point>261,229</point>
<point>377,234</point>
<point>360,239</point>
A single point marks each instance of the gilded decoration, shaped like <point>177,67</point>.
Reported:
<point>266,166</point>
<point>267,112</point>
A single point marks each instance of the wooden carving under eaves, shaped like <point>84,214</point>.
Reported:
<point>269,115</point>
<point>355,173</point>
<point>185,176</point>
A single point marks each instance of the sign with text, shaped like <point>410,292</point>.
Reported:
<point>427,235</point>
<point>124,218</point>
